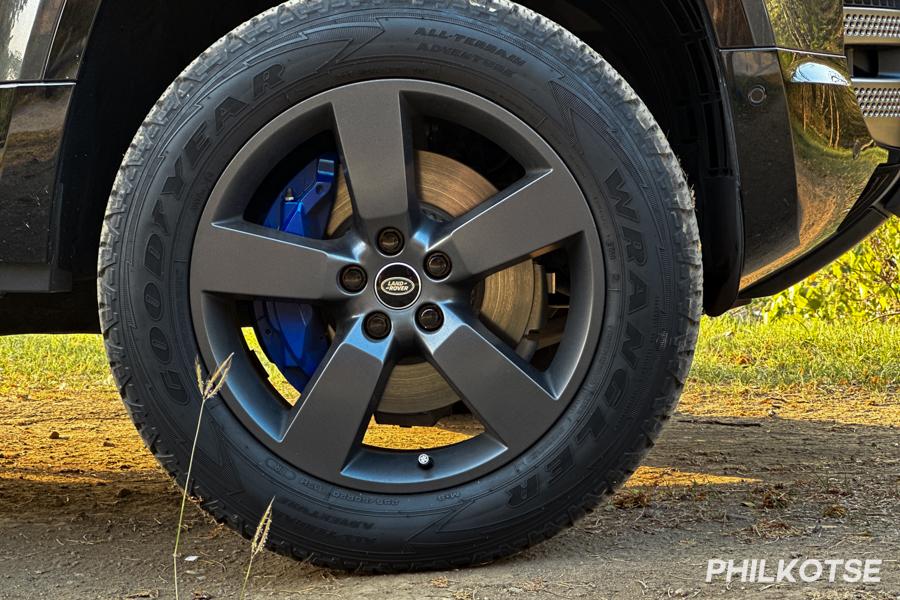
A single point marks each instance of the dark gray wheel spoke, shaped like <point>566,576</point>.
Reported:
<point>243,259</point>
<point>334,411</point>
<point>376,145</point>
<point>518,222</point>
<point>316,321</point>
<point>510,397</point>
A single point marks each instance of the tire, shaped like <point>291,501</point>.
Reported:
<point>641,214</point>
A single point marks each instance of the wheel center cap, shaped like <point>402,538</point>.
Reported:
<point>398,286</point>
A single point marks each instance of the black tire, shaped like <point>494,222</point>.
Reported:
<point>644,217</point>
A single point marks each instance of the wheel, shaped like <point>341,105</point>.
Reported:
<point>455,224</point>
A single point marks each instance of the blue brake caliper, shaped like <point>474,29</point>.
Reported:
<point>294,336</point>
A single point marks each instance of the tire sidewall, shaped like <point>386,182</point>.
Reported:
<point>591,120</point>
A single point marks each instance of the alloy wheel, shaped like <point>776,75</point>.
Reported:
<point>398,283</point>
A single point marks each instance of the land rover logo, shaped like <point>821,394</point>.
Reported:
<point>397,286</point>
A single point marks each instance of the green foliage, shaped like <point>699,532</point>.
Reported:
<point>864,283</point>
<point>73,362</point>
<point>792,352</point>
<point>731,350</point>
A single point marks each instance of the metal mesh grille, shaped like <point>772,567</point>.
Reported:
<point>879,101</point>
<point>863,25</point>
<point>873,3</point>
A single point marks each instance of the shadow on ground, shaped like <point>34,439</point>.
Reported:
<point>86,513</point>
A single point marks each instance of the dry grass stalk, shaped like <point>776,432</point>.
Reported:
<point>208,389</point>
<point>259,542</point>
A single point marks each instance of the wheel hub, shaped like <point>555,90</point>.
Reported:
<point>510,300</point>
<point>398,286</point>
<point>294,337</point>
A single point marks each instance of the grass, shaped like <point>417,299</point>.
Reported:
<point>747,353</point>
<point>53,362</point>
<point>789,353</point>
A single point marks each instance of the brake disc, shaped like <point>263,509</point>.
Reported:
<point>510,300</point>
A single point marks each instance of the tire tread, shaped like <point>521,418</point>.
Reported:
<point>606,83</point>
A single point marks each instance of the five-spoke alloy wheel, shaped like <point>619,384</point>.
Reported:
<point>452,254</point>
<point>404,310</point>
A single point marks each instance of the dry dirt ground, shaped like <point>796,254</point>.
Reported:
<point>85,513</point>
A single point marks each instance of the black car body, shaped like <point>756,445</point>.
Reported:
<point>785,115</point>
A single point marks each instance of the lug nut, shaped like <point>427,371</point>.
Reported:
<point>378,326</point>
<point>425,461</point>
<point>390,241</point>
<point>437,265</point>
<point>430,317</point>
<point>353,279</point>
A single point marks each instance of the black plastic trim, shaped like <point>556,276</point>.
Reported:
<point>893,205</point>
<point>881,198</point>
<point>39,277</point>
<point>71,312</point>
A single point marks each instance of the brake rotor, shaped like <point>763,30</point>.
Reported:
<point>508,299</point>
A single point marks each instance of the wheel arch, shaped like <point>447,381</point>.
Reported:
<point>667,51</point>
<point>665,48</point>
